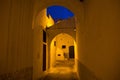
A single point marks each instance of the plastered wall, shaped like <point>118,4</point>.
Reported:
<point>100,42</point>
<point>16,39</point>
<point>43,19</point>
<point>97,38</point>
<point>39,24</point>
<point>55,30</point>
<point>52,53</point>
<point>63,39</point>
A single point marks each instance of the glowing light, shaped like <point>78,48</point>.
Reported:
<point>50,21</point>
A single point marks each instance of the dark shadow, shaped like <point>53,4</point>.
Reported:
<point>71,52</point>
<point>85,73</point>
<point>23,74</point>
<point>44,57</point>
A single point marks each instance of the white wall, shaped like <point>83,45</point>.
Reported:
<point>52,53</point>
<point>63,39</point>
<point>57,29</point>
<point>43,20</point>
<point>60,39</point>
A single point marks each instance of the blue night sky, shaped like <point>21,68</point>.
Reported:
<point>59,13</point>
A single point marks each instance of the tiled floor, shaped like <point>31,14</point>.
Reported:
<point>64,70</point>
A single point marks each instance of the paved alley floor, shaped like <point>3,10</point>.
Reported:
<point>62,71</point>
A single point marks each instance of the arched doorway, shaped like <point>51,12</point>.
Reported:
<point>63,50</point>
<point>38,19</point>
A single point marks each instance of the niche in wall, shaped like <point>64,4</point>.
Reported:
<point>54,43</point>
<point>59,54</point>
<point>63,46</point>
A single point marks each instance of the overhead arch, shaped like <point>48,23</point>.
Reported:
<point>76,8</point>
<point>55,47</point>
<point>69,5</point>
<point>72,33</point>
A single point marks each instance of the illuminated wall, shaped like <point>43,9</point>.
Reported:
<point>63,39</point>
<point>52,53</point>
<point>41,22</point>
<point>56,30</point>
<point>56,47</point>
<point>50,21</point>
<point>44,20</point>
<point>76,57</point>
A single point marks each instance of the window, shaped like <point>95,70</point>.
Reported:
<point>63,46</point>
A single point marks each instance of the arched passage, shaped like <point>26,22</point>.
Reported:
<point>60,49</point>
<point>37,70</point>
<point>99,38</point>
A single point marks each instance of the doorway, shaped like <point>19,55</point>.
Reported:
<point>44,51</point>
<point>44,57</point>
<point>71,52</point>
<point>62,51</point>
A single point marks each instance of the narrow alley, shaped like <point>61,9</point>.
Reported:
<point>63,70</point>
<point>59,39</point>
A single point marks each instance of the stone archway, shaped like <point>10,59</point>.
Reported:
<point>77,8</point>
<point>38,28</point>
<point>56,46</point>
